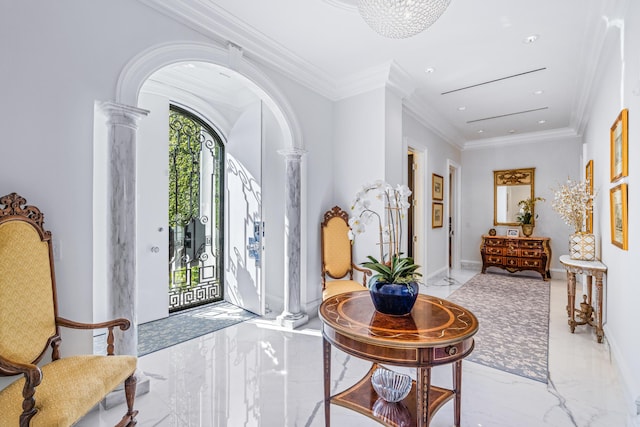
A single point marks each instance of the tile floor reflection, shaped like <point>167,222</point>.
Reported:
<point>254,374</point>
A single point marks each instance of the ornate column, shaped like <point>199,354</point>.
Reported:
<point>122,123</point>
<point>292,316</point>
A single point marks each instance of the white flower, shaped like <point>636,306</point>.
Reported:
<point>395,202</point>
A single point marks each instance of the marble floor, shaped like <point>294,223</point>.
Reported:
<point>255,374</point>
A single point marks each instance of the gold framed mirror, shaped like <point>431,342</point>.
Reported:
<point>509,187</point>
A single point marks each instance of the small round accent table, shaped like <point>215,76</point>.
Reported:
<point>436,332</point>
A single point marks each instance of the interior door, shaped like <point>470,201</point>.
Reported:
<point>244,247</point>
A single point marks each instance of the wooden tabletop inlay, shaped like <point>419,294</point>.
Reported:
<point>433,322</point>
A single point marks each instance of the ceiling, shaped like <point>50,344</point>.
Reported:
<point>487,85</point>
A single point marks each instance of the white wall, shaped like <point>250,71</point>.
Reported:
<point>618,87</point>
<point>554,161</point>
<point>59,62</point>
<point>438,152</point>
<point>359,155</point>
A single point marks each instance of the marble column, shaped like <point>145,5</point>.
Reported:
<point>122,124</point>
<point>292,315</point>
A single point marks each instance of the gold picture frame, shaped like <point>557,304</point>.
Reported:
<point>437,215</point>
<point>619,223</point>
<point>620,146</point>
<point>589,178</point>
<point>437,189</point>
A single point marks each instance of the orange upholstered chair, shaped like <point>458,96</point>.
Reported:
<point>337,263</point>
<point>62,391</point>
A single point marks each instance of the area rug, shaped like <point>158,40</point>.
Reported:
<point>513,314</point>
<point>188,324</point>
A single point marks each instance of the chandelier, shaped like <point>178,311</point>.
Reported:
<point>399,19</point>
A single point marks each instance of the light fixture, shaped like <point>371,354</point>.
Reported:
<point>399,19</point>
<point>538,92</point>
<point>429,70</point>
<point>462,108</point>
<point>530,39</point>
<point>541,122</point>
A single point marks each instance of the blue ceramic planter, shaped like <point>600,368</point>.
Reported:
<point>395,299</point>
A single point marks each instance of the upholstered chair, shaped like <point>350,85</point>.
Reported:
<point>60,392</point>
<point>337,262</point>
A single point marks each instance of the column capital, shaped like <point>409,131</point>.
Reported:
<point>292,153</point>
<point>124,115</point>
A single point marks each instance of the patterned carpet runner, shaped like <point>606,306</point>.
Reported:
<point>513,313</point>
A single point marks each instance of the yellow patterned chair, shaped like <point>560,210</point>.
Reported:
<point>58,393</point>
<point>336,254</point>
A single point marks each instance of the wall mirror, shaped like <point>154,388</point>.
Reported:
<point>509,187</point>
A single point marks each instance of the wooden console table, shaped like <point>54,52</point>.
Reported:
<point>517,253</point>
<point>436,332</point>
<point>587,311</point>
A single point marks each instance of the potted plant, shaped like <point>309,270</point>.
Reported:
<point>572,201</point>
<point>394,287</point>
<point>525,216</point>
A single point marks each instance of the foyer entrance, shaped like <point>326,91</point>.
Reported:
<point>196,220</point>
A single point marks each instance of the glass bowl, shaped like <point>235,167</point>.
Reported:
<point>391,386</point>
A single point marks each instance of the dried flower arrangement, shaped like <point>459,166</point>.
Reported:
<point>572,201</point>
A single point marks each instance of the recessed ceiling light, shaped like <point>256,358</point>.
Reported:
<point>538,92</point>
<point>429,70</point>
<point>481,131</point>
<point>542,122</point>
<point>512,131</point>
<point>189,66</point>
<point>462,108</point>
<point>530,39</point>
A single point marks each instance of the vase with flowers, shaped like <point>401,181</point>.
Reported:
<point>526,215</point>
<point>572,201</point>
<point>393,287</point>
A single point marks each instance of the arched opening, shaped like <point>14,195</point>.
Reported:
<point>270,114</point>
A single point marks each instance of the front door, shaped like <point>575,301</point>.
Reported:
<point>244,284</point>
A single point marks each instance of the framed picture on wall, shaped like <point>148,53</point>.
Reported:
<point>588,176</point>
<point>619,224</point>
<point>437,214</point>
<point>438,187</point>
<point>620,146</point>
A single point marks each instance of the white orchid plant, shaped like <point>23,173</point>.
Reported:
<point>392,268</point>
<point>572,201</point>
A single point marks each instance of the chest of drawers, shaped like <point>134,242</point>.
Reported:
<point>517,254</point>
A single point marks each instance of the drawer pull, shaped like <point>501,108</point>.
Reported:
<point>451,350</point>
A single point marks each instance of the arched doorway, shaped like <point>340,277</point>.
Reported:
<point>276,109</point>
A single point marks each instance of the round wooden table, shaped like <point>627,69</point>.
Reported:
<point>436,332</point>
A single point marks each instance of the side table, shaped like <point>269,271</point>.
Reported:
<point>436,332</point>
<point>587,314</point>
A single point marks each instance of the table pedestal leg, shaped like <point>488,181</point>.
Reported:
<point>571,283</point>
<point>326,362</point>
<point>423,385</point>
<point>457,389</point>
<point>568,292</point>
<point>599,330</point>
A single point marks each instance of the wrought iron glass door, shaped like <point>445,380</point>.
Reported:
<point>196,160</point>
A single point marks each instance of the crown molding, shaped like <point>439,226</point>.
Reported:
<point>350,5</point>
<point>597,48</point>
<point>387,75</point>
<point>203,16</point>
<point>511,140</point>
<point>419,109</point>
